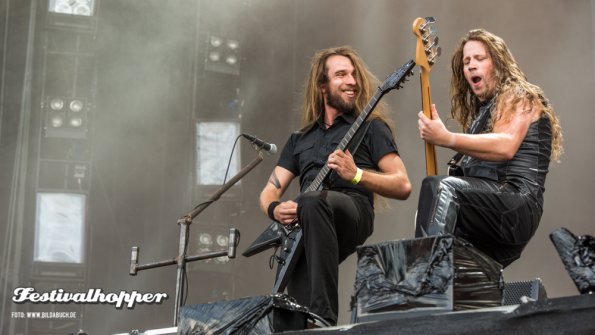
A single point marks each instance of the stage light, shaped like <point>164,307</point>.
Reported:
<point>216,41</point>
<point>64,122</point>
<point>222,240</point>
<point>57,120</point>
<point>233,44</point>
<point>214,142</point>
<point>231,60</point>
<point>82,7</point>
<point>76,106</point>
<point>223,55</point>
<point>210,238</point>
<point>56,104</point>
<point>59,228</point>
<point>72,7</point>
<point>205,239</point>
<point>205,242</point>
<point>214,56</point>
<point>61,6</point>
<point>76,122</point>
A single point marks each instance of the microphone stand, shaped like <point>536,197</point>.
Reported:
<point>184,223</point>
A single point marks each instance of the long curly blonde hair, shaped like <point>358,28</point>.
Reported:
<point>313,103</point>
<point>512,87</point>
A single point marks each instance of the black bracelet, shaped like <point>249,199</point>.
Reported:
<point>271,209</point>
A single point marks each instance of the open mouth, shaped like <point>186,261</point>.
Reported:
<point>476,79</point>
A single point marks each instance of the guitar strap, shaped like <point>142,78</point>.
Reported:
<point>477,127</point>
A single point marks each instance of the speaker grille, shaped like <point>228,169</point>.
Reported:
<point>532,289</point>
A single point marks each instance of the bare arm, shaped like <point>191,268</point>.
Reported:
<point>499,145</point>
<point>392,180</point>
<point>277,184</point>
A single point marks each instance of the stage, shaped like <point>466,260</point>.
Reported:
<point>567,315</point>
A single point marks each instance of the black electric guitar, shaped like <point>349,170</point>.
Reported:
<point>289,237</point>
<point>426,52</point>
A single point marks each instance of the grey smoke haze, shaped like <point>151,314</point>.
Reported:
<point>152,88</point>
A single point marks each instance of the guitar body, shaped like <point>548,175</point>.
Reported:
<point>273,236</point>
<point>291,251</point>
<point>289,237</point>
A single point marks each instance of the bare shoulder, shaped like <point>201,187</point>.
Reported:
<point>516,104</point>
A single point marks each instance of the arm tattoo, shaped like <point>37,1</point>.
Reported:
<point>274,180</point>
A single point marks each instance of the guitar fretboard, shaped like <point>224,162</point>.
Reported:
<point>325,170</point>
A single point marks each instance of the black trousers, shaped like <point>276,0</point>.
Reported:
<point>333,224</point>
<point>496,218</point>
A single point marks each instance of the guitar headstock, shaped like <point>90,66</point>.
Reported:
<point>397,78</point>
<point>427,49</point>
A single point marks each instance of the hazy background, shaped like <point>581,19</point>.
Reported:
<point>151,86</point>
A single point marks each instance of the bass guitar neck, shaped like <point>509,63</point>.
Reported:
<point>426,52</point>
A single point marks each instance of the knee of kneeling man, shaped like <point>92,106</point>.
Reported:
<point>311,199</point>
<point>430,183</point>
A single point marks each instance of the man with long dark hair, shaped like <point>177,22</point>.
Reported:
<point>340,217</point>
<point>495,199</point>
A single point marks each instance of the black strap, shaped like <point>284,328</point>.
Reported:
<point>476,127</point>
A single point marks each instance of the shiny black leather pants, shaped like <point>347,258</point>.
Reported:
<point>494,217</point>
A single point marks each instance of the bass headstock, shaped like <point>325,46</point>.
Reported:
<point>427,49</point>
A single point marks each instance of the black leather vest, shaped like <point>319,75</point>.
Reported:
<point>527,170</point>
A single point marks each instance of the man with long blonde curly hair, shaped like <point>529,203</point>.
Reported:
<point>340,217</point>
<point>494,199</point>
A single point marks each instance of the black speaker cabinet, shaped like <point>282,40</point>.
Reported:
<point>423,276</point>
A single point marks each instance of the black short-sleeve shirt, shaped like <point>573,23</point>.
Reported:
<point>305,153</point>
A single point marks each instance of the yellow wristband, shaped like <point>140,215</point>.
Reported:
<point>358,176</point>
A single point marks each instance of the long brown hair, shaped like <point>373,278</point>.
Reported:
<point>313,104</point>
<point>511,86</point>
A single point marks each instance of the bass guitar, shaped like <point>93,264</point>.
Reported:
<point>426,52</point>
<point>289,237</point>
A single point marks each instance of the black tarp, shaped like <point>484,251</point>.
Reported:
<point>578,256</point>
<point>439,271</point>
<point>253,315</point>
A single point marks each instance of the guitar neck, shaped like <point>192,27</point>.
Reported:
<point>426,52</point>
<point>426,101</point>
<point>325,170</point>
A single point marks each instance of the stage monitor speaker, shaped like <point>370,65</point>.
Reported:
<point>253,315</point>
<point>422,276</point>
<point>533,290</point>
